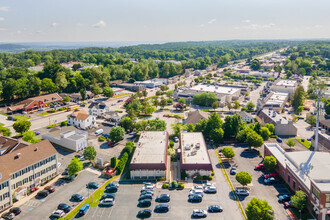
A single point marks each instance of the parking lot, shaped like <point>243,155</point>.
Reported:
<point>42,208</point>
<point>246,160</point>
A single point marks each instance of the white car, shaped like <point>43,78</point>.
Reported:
<point>210,189</point>
<point>149,184</point>
<point>197,188</point>
<point>242,192</point>
<point>199,213</point>
<point>107,202</point>
<point>197,191</point>
<point>148,188</point>
<point>58,213</point>
<point>208,184</point>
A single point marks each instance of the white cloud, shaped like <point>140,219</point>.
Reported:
<point>212,21</point>
<point>4,8</point>
<point>202,25</point>
<point>100,24</point>
<point>2,19</point>
<point>246,21</point>
<point>258,26</point>
<point>54,24</point>
<point>3,29</point>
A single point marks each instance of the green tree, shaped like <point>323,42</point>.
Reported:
<point>61,81</point>
<point>21,126</point>
<point>290,142</point>
<point>113,162</point>
<point>299,201</point>
<point>205,99</point>
<point>255,64</point>
<point>149,110</point>
<point>47,85</point>
<point>182,100</point>
<point>191,127</point>
<point>116,134</point>
<point>265,133</point>
<point>257,127</point>
<point>215,105</point>
<point>145,93</point>
<point>214,121</point>
<point>74,166</point>
<point>108,92</point>
<point>236,104</point>
<point>30,136</point>
<point>5,131</point>
<point>216,135</point>
<point>229,105</point>
<point>243,178</point>
<point>258,209</point>
<point>95,89</point>
<point>270,127</point>
<point>127,123</point>
<point>163,102</point>
<point>250,106</point>
<point>228,152</point>
<point>66,99</point>
<point>232,125</point>
<point>253,139</point>
<point>83,94</point>
<point>270,163</point>
<point>163,88</point>
<point>90,153</point>
<point>129,147</point>
<point>298,98</point>
<point>311,119</point>
<point>177,128</point>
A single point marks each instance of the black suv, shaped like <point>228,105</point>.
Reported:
<point>162,208</point>
<point>144,203</point>
<point>195,198</point>
<point>163,198</point>
<point>43,193</point>
<point>145,196</point>
<point>66,208</point>
<point>146,213</point>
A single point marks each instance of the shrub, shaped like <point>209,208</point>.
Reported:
<point>199,177</point>
<point>205,177</point>
<point>101,138</point>
<point>161,178</point>
<point>122,162</point>
<point>52,125</point>
<point>212,173</point>
<point>173,184</point>
<point>210,177</point>
<point>273,136</point>
<point>181,186</point>
<point>184,174</point>
<point>171,144</point>
<point>64,123</point>
<point>165,186</point>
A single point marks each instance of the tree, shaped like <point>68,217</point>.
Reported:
<point>163,102</point>
<point>149,110</point>
<point>47,85</point>
<point>229,105</point>
<point>232,125</point>
<point>250,106</point>
<point>299,201</point>
<point>128,148</point>
<point>290,142</point>
<point>258,209</point>
<point>74,166</point>
<point>113,162</point>
<point>61,81</point>
<point>257,127</point>
<point>90,153</point>
<point>5,131</point>
<point>255,64</point>
<point>155,102</point>
<point>83,94</point>
<point>270,127</point>
<point>228,152</point>
<point>163,88</point>
<point>116,134</point>
<point>21,126</point>
<point>66,99</point>
<point>311,119</point>
<point>179,106</point>
<point>145,93</point>
<point>107,92</point>
<point>265,133</point>
<point>236,104</point>
<point>182,100</point>
<point>215,105</point>
<point>253,139</point>
<point>270,163</point>
<point>214,121</point>
<point>190,127</point>
<point>95,89</point>
<point>177,128</point>
<point>205,99</point>
<point>216,135</point>
<point>243,178</point>
<point>298,98</point>
<point>30,136</point>
<point>127,123</point>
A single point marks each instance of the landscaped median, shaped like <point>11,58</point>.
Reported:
<point>93,199</point>
<point>230,184</point>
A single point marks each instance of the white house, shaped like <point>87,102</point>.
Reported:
<point>81,119</point>
<point>246,117</point>
<point>68,137</point>
<point>98,109</point>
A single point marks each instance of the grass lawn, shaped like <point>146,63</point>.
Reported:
<point>120,95</point>
<point>49,113</point>
<point>305,143</point>
<point>16,118</point>
<point>1,124</point>
<point>4,114</point>
<point>304,215</point>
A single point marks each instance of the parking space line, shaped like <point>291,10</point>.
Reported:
<point>110,212</point>
<point>94,212</point>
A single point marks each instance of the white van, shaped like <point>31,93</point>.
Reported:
<point>98,132</point>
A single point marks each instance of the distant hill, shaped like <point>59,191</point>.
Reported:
<point>13,47</point>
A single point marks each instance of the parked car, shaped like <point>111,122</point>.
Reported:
<point>271,180</point>
<point>10,118</point>
<point>58,213</point>
<point>284,198</point>
<point>77,197</point>
<point>83,209</point>
<point>8,215</point>
<point>146,213</point>
<point>111,189</point>
<point>242,192</point>
<point>210,189</point>
<point>145,196</point>
<point>199,192</point>
<point>144,203</point>
<point>163,198</point>
<point>107,202</point>
<point>108,196</point>
<point>215,208</point>
<point>93,185</point>
<point>24,112</point>
<point>260,166</point>
<point>15,210</point>
<point>208,184</point>
<point>112,144</point>
<point>270,175</point>
<point>36,132</point>
<point>162,208</point>
<point>195,198</point>
<point>143,190</point>
<point>176,139</point>
<point>106,135</point>
<point>50,189</point>
<point>148,184</point>
<point>41,109</point>
<point>147,192</point>
<point>197,188</point>
<point>65,207</point>
<point>116,184</point>
<point>279,140</point>
<point>199,213</point>
<point>43,193</point>
<point>148,187</point>
<point>233,171</point>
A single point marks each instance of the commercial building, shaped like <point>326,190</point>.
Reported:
<point>81,119</point>
<point>150,156</point>
<point>131,86</point>
<point>118,91</point>
<point>274,100</point>
<point>68,137</point>
<point>98,109</point>
<point>25,167</point>
<point>282,85</point>
<point>152,83</point>
<point>307,171</point>
<point>194,157</point>
<point>35,103</point>
<point>283,126</point>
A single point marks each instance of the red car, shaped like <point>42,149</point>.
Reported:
<point>112,144</point>
<point>270,175</point>
<point>50,189</point>
<point>260,166</point>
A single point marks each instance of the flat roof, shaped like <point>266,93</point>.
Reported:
<point>291,83</point>
<point>193,148</point>
<point>274,116</point>
<point>215,89</point>
<point>308,166</point>
<point>151,148</point>
<point>277,98</point>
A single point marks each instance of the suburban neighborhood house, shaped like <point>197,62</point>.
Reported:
<point>307,171</point>
<point>282,125</point>
<point>68,137</point>
<point>195,117</point>
<point>194,157</point>
<point>25,167</point>
<point>246,117</point>
<point>81,119</point>
<point>98,109</point>
<point>149,160</point>
<point>36,103</point>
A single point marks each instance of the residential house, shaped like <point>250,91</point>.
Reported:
<point>246,117</point>
<point>195,117</point>
<point>81,119</point>
<point>98,109</point>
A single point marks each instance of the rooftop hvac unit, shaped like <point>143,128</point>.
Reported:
<point>194,152</point>
<point>198,145</point>
<point>187,147</point>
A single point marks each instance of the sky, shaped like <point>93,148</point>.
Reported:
<point>162,20</point>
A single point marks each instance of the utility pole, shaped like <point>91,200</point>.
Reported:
<point>319,95</point>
